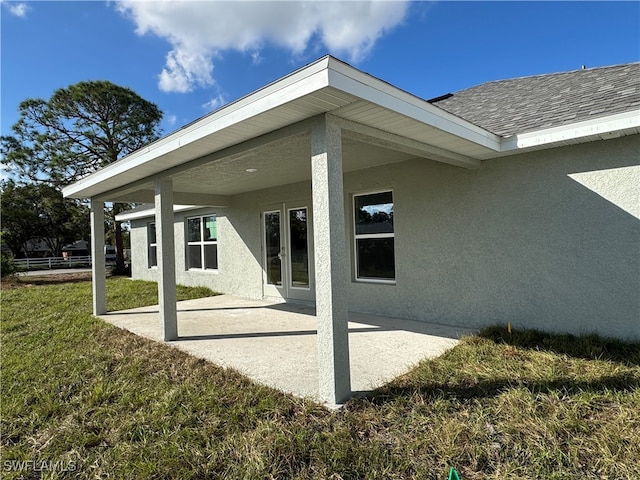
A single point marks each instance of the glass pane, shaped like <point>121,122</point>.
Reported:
<point>152,233</point>
<point>193,230</point>
<point>195,256</point>
<point>272,243</point>
<point>153,256</point>
<point>210,228</point>
<point>211,256</point>
<point>375,258</point>
<point>299,248</point>
<point>374,213</point>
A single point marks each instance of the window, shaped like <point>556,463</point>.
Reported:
<point>153,245</point>
<point>374,237</point>
<point>298,248</point>
<point>202,243</point>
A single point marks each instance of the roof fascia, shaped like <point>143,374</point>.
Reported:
<point>297,84</point>
<point>608,126</point>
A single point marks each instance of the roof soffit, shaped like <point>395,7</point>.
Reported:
<point>321,87</point>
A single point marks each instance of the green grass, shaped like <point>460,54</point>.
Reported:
<point>497,406</point>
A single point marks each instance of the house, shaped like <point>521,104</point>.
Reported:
<point>513,201</point>
<point>79,248</point>
<point>37,248</point>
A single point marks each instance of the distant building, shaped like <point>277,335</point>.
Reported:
<point>79,248</point>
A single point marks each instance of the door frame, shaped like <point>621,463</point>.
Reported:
<point>287,291</point>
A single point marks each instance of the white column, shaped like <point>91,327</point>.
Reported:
<point>331,264</point>
<point>166,259</point>
<point>98,270</point>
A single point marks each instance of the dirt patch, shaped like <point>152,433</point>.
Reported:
<point>9,283</point>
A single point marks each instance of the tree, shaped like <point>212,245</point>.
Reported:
<point>19,219</point>
<point>39,212</point>
<point>79,130</point>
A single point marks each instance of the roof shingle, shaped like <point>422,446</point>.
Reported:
<point>518,105</point>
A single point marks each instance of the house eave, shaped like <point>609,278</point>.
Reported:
<point>321,87</point>
<point>603,128</point>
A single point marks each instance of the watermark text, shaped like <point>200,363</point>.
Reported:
<point>39,466</point>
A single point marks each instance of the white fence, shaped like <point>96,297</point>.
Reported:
<point>51,262</point>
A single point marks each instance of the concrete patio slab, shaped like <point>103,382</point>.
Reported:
<point>275,343</point>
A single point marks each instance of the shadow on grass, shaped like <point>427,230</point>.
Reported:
<point>623,383</point>
<point>17,281</point>
<point>37,280</point>
<point>590,347</point>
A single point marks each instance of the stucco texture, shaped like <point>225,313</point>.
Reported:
<point>547,240</point>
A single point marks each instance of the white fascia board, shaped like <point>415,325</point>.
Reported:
<point>151,212</point>
<point>597,126</point>
<point>298,84</point>
<point>374,90</point>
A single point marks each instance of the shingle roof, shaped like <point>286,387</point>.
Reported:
<point>506,107</point>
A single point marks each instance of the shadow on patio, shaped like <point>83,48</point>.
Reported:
<point>275,343</point>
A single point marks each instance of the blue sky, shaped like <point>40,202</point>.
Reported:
<point>191,57</point>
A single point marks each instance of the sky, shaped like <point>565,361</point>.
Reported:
<point>190,58</point>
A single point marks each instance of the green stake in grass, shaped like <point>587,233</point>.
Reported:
<point>453,475</point>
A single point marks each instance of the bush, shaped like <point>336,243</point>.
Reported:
<point>7,267</point>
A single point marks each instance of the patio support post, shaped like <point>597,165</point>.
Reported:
<point>331,269</point>
<point>98,270</point>
<point>166,259</point>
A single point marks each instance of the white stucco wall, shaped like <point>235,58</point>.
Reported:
<point>239,242</point>
<point>517,241</point>
<point>548,240</point>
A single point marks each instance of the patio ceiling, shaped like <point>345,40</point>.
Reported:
<point>210,180</point>
<point>268,130</point>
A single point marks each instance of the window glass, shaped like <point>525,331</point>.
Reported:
<point>153,256</point>
<point>193,230</point>
<point>153,249</point>
<point>210,229</point>
<point>152,233</point>
<point>299,248</point>
<point>272,240</point>
<point>374,236</point>
<point>195,256</point>
<point>374,213</point>
<point>211,256</point>
<point>376,258</point>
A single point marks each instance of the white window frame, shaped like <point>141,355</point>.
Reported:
<point>356,237</point>
<point>151,244</point>
<point>201,243</point>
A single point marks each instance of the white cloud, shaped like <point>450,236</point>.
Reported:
<point>184,69</point>
<point>171,120</point>
<point>17,9</point>
<point>200,31</point>
<point>214,103</point>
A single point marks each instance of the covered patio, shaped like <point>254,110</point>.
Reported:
<point>275,344</point>
<point>312,126</point>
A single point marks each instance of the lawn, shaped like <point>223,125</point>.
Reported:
<point>83,399</point>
